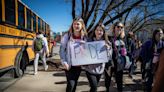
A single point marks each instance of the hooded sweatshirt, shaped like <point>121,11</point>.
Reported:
<point>45,45</point>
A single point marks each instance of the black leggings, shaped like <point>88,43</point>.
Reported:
<point>108,75</point>
<point>93,81</point>
<point>118,78</point>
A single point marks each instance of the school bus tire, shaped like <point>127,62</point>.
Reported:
<point>20,64</point>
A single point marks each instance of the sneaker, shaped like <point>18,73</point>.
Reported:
<point>130,76</point>
<point>35,73</point>
<point>46,68</point>
<point>143,81</point>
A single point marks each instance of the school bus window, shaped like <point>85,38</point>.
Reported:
<point>10,11</point>
<point>0,10</point>
<point>39,22</point>
<point>21,19</point>
<point>45,27</point>
<point>34,22</point>
<point>28,19</point>
<point>43,23</point>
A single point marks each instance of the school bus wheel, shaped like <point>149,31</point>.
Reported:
<point>20,65</point>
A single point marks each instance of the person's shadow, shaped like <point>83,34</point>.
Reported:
<point>62,74</point>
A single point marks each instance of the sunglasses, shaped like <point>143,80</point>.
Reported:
<point>159,33</point>
<point>119,27</point>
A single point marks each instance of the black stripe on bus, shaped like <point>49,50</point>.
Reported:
<point>6,68</point>
<point>11,36</point>
<point>12,46</point>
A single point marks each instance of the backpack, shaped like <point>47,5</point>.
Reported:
<point>38,44</point>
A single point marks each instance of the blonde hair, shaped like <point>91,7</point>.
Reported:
<point>83,31</point>
<point>112,30</point>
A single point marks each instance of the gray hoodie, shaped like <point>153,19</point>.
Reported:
<point>65,50</point>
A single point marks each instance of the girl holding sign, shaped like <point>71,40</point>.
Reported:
<point>94,71</point>
<point>76,33</point>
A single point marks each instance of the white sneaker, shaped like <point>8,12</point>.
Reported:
<point>35,73</point>
<point>46,68</point>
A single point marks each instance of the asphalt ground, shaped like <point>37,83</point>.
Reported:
<point>54,80</point>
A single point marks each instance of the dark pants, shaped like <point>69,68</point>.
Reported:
<point>149,80</point>
<point>143,64</point>
<point>93,81</point>
<point>108,75</point>
<point>72,78</point>
<point>132,67</point>
<point>118,78</point>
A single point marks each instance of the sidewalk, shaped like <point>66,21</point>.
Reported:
<point>55,81</point>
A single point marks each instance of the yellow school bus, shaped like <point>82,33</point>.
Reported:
<point>18,26</point>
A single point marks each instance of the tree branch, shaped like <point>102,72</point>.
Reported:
<point>86,9</point>
<point>110,7</point>
<point>143,19</point>
<point>126,17</point>
<point>73,9</point>
<point>95,15</point>
<point>82,13</point>
<point>126,10</point>
<point>91,11</point>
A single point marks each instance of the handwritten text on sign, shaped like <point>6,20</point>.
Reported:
<point>88,53</point>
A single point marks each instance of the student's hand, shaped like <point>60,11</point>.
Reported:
<point>108,46</point>
<point>47,54</point>
<point>66,66</point>
<point>82,42</point>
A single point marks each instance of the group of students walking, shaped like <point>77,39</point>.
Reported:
<point>121,55</point>
<point>119,58</point>
<point>78,33</point>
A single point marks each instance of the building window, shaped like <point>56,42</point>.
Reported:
<point>10,11</point>
<point>28,20</point>
<point>21,19</point>
<point>34,22</point>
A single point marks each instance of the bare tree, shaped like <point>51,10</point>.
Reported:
<point>73,8</point>
<point>107,11</point>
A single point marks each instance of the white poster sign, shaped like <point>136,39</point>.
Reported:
<point>88,53</point>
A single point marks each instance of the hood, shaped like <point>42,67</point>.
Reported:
<point>40,36</point>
